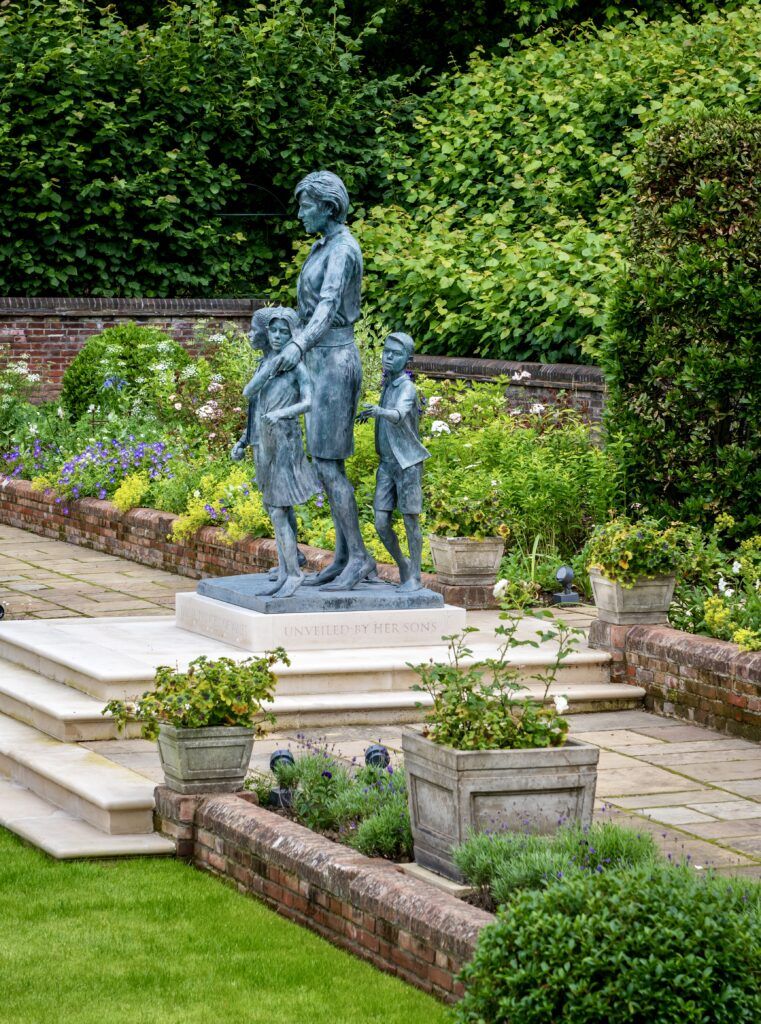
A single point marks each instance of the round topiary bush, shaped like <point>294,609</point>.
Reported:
<point>644,946</point>
<point>116,359</point>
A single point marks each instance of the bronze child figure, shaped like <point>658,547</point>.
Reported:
<point>284,475</point>
<point>400,473</point>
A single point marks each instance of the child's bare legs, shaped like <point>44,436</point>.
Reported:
<point>275,573</point>
<point>415,544</point>
<point>391,542</point>
<point>292,577</point>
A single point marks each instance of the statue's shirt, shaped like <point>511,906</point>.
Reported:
<point>332,273</point>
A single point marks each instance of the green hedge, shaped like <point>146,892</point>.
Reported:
<point>643,946</point>
<point>683,355</point>
<point>509,200</point>
<point>120,149</point>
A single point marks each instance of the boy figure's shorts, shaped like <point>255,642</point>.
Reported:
<point>399,488</point>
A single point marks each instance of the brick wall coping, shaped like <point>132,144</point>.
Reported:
<point>401,924</point>
<point>561,375</point>
<point>702,652</point>
<point>142,307</point>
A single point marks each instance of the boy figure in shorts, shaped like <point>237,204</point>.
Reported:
<point>399,481</point>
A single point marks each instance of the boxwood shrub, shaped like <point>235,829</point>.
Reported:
<point>683,347</point>
<point>664,945</point>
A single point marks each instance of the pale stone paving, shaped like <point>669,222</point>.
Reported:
<point>698,792</point>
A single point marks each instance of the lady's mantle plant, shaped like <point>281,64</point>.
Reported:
<point>212,692</point>
<point>477,705</point>
<point>625,551</point>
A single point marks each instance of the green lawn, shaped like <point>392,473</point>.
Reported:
<point>157,942</point>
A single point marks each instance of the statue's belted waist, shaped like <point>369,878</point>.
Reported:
<point>336,337</point>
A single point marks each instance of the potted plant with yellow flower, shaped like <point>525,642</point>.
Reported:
<point>632,568</point>
<point>468,532</point>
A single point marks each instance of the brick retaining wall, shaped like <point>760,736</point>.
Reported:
<point>368,906</point>
<point>695,678</point>
<point>143,535</point>
<point>50,331</point>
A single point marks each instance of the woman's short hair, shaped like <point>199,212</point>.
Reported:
<point>262,319</point>
<point>326,187</point>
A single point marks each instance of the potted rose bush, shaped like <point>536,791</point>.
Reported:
<point>205,719</point>
<point>491,757</point>
<point>633,566</point>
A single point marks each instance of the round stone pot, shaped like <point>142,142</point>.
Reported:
<point>647,601</point>
<point>465,562</point>
<point>210,760</point>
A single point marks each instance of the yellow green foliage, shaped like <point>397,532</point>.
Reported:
<point>131,491</point>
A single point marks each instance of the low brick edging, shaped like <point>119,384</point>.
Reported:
<point>144,535</point>
<point>369,907</point>
<point>695,678</point>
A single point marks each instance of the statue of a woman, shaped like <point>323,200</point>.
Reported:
<point>328,306</point>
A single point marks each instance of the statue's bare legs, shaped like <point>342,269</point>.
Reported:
<point>409,568</point>
<point>352,562</point>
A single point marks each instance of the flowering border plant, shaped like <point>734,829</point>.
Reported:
<point>477,705</point>
<point>212,692</point>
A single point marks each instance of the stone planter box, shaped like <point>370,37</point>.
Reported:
<point>452,792</point>
<point>463,561</point>
<point>211,760</point>
<point>647,601</point>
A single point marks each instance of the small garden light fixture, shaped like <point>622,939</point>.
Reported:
<point>377,756</point>
<point>564,576</point>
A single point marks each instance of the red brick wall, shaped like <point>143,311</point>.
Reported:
<point>51,331</point>
<point>402,925</point>
<point>144,535</point>
<point>695,678</point>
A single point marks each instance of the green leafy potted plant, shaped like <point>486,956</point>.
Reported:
<point>490,757</point>
<point>632,568</point>
<point>205,719</point>
<point>466,517</point>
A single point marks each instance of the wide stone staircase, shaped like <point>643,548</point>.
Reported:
<point>56,675</point>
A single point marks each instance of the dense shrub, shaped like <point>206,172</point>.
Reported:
<point>122,150</point>
<point>120,359</point>
<point>660,945</point>
<point>508,201</point>
<point>683,352</point>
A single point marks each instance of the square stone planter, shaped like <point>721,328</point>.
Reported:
<point>465,562</point>
<point>648,601</point>
<point>452,792</point>
<point>210,760</point>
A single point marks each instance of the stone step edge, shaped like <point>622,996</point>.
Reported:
<point>24,752</point>
<point>38,828</point>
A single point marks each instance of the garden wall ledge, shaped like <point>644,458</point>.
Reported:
<point>695,678</point>
<point>368,906</point>
<point>143,535</point>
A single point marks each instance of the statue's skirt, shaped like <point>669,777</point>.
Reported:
<point>336,371</point>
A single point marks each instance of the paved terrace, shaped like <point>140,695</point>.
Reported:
<point>698,792</point>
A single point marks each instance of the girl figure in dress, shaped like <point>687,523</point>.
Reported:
<point>284,475</point>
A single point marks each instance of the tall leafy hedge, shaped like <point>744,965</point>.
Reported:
<point>121,149</point>
<point>683,353</point>
<point>508,201</point>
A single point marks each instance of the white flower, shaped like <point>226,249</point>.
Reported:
<point>91,408</point>
<point>210,411</point>
<point>178,406</point>
<point>500,588</point>
<point>191,370</point>
<point>60,413</point>
<point>32,429</point>
<point>216,339</point>
<point>196,493</point>
<point>561,703</point>
<point>736,566</point>
<point>724,587</point>
<point>215,386</point>
<point>515,412</point>
<point>521,375</point>
<point>440,427</point>
<point>536,409</point>
<point>455,417</point>
<point>434,401</point>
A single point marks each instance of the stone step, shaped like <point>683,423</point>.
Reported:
<point>54,708</point>
<point>110,797</point>
<point>397,707</point>
<point>65,837</point>
<point>117,658</point>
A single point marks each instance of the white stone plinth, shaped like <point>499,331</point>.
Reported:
<point>309,631</point>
